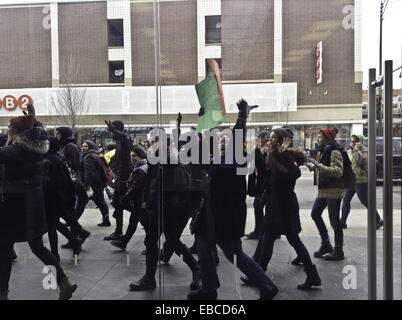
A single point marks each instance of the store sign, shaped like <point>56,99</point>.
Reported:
<point>318,55</point>
<point>10,102</point>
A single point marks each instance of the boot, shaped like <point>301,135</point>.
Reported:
<point>297,261</point>
<point>313,279</point>
<point>105,222</point>
<point>3,295</point>
<point>202,295</point>
<point>335,255</point>
<point>325,248</point>
<point>66,289</point>
<point>196,283</point>
<point>143,284</point>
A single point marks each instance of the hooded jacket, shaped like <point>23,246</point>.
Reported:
<point>22,210</point>
<point>359,158</point>
<point>91,171</point>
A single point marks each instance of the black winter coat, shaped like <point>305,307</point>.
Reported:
<point>58,187</point>
<point>22,213</point>
<point>91,171</point>
<point>123,166</point>
<point>70,151</point>
<point>282,214</point>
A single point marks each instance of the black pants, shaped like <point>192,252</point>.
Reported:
<point>38,249</point>
<point>99,200</point>
<point>172,224</point>
<point>362,193</point>
<point>119,191</point>
<point>258,214</point>
<point>263,252</point>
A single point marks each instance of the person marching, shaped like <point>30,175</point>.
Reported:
<point>23,210</point>
<point>283,208</point>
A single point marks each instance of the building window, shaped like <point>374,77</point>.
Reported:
<point>213,30</point>
<point>116,71</point>
<point>208,69</point>
<point>115,33</point>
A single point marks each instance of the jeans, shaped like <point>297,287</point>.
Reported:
<point>263,252</point>
<point>99,200</point>
<point>362,193</point>
<point>209,276</point>
<point>38,249</point>
<point>334,206</point>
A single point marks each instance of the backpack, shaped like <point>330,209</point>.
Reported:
<point>348,177</point>
<point>108,173</point>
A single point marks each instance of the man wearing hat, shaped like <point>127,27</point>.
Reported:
<point>23,209</point>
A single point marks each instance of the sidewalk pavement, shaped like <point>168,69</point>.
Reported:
<point>104,273</point>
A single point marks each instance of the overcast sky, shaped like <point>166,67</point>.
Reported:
<point>392,37</point>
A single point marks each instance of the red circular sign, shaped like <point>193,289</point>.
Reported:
<point>23,101</point>
<point>10,103</point>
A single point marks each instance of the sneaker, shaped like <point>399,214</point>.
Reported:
<point>143,284</point>
<point>202,295</point>
<point>113,236</point>
<point>324,249</point>
<point>121,244</point>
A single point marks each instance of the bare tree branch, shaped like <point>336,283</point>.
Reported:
<point>70,102</point>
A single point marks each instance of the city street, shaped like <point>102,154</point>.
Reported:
<point>103,272</point>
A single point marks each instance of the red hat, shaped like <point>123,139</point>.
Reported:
<point>330,134</point>
<point>23,123</point>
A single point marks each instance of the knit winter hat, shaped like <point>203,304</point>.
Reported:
<point>118,124</point>
<point>329,134</point>
<point>23,123</point>
<point>283,133</point>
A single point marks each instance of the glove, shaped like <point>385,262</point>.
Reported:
<point>310,166</point>
<point>313,162</point>
<point>244,108</point>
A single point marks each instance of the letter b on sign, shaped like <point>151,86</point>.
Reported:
<point>9,103</point>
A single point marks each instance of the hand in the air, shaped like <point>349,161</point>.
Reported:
<point>110,126</point>
<point>244,108</point>
<point>285,145</point>
<point>179,118</point>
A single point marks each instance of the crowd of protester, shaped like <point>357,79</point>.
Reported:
<point>45,179</point>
